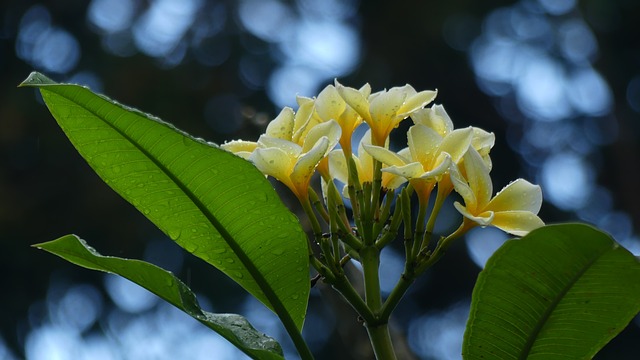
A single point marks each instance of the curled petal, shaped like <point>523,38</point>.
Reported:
<point>434,117</point>
<point>518,223</point>
<point>518,195</point>
<point>356,99</point>
<point>282,126</point>
<point>330,129</point>
<point>477,175</point>
<point>482,141</point>
<point>484,219</point>
<point>241,148</point>
<point>416,102</point>
<point>304,119</point>
<point>385,106</point>
<point>456,143</point>
<point>385,156</point>
<point>442,164</point>
<point>306,165</point>
<point>462,187</point>
<point>274,162</point>
<point>292,149</point>
<point>409,171</point>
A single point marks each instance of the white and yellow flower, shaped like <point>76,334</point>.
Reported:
<point>364,166</point>
<point>384,110</point>
<point>426,159</point>
<point>514,209</point>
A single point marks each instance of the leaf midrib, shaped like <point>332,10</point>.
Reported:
<point>277,305</point>
<point>554,304</point>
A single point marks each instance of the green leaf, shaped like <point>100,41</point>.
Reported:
<point>561,292</point>
<point>214,204</point>
<point>232,327</point>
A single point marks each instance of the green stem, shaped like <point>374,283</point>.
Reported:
<point>381,341</point>
<point>419,232</point>
<point>370,258</point>
<point>317,204</point>
<point>431,223</point>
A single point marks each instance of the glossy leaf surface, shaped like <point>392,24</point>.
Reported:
<point>212,203</point>
<point>561,292</point>
<point>232,327</point>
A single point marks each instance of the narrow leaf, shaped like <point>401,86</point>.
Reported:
<point>561,292</point>
<point>232,327</point>
<point>212,203</point>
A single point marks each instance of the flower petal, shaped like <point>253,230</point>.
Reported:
<point>282,126</point>
<point>409,171</point>
<point>423,142</point>
<point>416,102</point>
<point>338,166</point>
<point>484,219</point>
<point>329,104</point>
<point>330,129</point>
<point>456,143</point>
<point>477,175</point>
<point>304,119</point>
<point>306,165</point>
<point>240,147</point>
<point>385,156</point>
<point>291,148</point>
<point>385,106</point>
<point>274,162</point>
<point>442,164</point>
<point>356,99</point>
<point>518,195</point>
<point>434,117</point>
<point>482,141</point>
<point>462,187</point>
<point>518,223</point>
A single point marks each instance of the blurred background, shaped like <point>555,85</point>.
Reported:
<point>557,81</point>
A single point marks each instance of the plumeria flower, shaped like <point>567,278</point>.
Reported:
<point>426,159</point>
<point>437,118</point>
<point>292,164</point>
<point>514,209</point>
<point>292,148</point>
<point>241,148</point>
<point>364,165</point>
<point>329,105</point>
<point>384,110</point>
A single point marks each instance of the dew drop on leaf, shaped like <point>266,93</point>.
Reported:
<point>174,234</point>
<point>277,252</point>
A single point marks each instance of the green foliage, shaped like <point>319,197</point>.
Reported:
<point>561,292</point>
<point>232,327</point>
<point>214,204</point>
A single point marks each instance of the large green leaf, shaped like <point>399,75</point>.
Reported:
<point>561,292</point>
<point>232,327</point>
<point>214,204</point>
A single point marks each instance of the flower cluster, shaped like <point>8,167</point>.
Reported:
<point>438,156</point>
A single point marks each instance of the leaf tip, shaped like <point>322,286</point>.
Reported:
<point>36,79</point>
